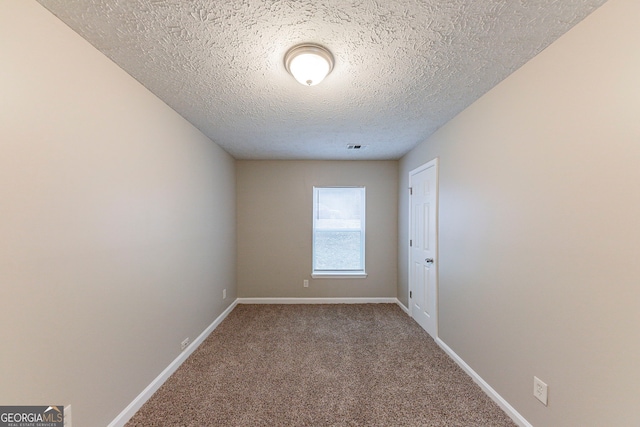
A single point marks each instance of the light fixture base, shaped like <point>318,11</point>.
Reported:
<point>309,63</point>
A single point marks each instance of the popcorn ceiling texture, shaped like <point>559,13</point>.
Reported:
<point>403,68</point>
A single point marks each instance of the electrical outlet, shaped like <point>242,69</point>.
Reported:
<point>305,283</point>
<point>67,416</point>
<point>185,343</point>
<point>540,390</point>
<point>224,294</point>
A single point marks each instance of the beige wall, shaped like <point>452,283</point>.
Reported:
<point>274,207</point>
<point>539,227</point>
<point>117,224</point>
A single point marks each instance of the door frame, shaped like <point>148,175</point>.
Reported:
<point>432,163</point>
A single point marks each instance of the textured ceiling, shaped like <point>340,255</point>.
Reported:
<point>403,68</point>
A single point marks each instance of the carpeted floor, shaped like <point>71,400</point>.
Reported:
<point>319,365</point>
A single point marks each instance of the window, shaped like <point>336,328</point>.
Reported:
<point>338,231</point>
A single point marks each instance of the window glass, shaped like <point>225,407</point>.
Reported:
<point>338,229</point>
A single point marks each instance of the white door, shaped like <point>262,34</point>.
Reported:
<point>423,286</point>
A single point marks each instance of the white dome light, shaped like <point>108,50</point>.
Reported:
<point>308,63</point>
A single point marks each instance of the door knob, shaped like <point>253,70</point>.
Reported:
<point>428,260</point>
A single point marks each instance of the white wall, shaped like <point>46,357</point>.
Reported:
<point>117,224</point>
<point>539,227</point>
<point>275,222</point>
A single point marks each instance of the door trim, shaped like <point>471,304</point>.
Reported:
<point>432,163</point>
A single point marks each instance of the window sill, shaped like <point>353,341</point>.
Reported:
<point>338,275</point>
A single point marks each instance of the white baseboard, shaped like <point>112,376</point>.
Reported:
<point>137,403</point>
<point>317,300</point>
<point>506,407</point>
<point>401,305</point>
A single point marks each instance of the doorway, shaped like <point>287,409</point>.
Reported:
<point>423,240</point>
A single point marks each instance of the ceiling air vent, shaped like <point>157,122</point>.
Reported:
<point>356,147</point>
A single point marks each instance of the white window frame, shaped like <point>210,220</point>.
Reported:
<point>340,274</point>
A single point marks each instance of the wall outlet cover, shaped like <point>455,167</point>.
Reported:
<point>540,390</point>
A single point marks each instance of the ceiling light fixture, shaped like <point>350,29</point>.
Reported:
<point>308,63</point>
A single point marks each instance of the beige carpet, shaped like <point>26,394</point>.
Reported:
<point>319,365</point>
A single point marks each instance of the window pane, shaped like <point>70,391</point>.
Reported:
<point>338,250</point>
<point>338,229</point>
<point>340,204</point>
